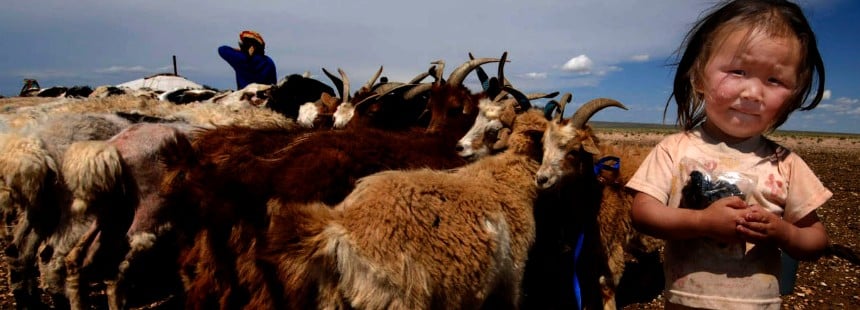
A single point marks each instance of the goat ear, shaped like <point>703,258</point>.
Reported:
<point>590,146</point>
<point>329,102</point>
<point>508,116</point>
<point>502,141</point>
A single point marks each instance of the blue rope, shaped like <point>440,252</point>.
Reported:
<point>601,164</point>
<point>576,290</point>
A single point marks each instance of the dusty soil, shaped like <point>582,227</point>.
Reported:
<point>831,282</point>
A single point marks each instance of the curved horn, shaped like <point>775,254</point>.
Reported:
<point>458,75</point>
<point>565,99</point>
<point>369,98</point>
<point>522,101</point>
<point>588,109</point>
<point>437,70</point>
<point>387,87</point>
<point>533,96</point>
<point>372,80</point>
<point>417,79</point>
<point>415,91</point>
<point>501,72</point>
<point>345,85</point>
<point>338,84</point>
<point>482,76</point>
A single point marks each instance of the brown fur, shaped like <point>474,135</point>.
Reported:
<point>417,239</point>
<point>236,170</point>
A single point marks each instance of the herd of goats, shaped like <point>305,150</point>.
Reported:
<point>401,195</point>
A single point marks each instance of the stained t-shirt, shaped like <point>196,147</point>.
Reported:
<point>702,272</point>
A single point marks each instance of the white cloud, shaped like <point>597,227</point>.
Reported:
<point>607,70</point>
<point>123,69</point>
<point>826,95</point>
<point>535,75</point>
<point>581,64</point>
<point>640,58</point>
<point>845,101</point>
<point>843,106</point>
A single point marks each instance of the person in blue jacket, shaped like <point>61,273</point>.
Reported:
<point>249,60</point>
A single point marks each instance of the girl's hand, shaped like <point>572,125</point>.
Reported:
<point>720,219</point>
<point>761,226</point>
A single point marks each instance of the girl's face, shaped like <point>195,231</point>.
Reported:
<point>747,82</point>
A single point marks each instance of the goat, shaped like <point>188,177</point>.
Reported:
<point>600,202</point>
<point>230,177</point>
<point>293,91</point>
<point>416,239</point>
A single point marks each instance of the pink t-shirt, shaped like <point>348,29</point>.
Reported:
<point>704,273</point>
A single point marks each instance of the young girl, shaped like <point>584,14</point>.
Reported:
<point>744,69</point>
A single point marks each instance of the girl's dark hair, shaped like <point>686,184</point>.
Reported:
<point>774,17</point>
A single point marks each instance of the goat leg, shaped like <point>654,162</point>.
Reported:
<point>21,259</point>
<point>117,288</point>
<point>74,261</point>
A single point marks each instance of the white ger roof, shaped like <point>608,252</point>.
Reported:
<point>162,82</point>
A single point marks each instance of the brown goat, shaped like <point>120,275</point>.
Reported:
<point>233,172</point>
<point>416,239</point>
<point>598,201</point>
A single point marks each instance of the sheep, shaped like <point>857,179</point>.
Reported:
<point>39,207</point>
<point>117,183</point>
<point>28,187</point>
<point>89,170</point>
<point>416,239</point>
<point>600,202</point>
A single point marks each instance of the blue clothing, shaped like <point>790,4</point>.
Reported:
<point>254,69</point>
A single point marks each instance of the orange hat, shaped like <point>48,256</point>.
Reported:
<point>250,34</point>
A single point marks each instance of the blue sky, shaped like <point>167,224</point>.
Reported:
<point>591,48</point>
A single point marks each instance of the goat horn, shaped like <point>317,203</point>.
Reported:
<point>372,80</point>
<point>437,70</point>
<point>336,81</point>
<point>522,101</point>
<point>393,88</point>
<point>387,87</point>
<point>565,99</point>
<point>417,79</point>
<point>458,75</point>
<point>369,98</point>
<point>415,91</point>
<point>533,96</point>
<point>584,113</point>
<point>345,85</point>
<point>501,72</point>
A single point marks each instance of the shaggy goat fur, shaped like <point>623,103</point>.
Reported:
<point>234,171</point>
<point>416,239</point>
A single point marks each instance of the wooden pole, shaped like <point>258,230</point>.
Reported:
<point>175,72</point>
